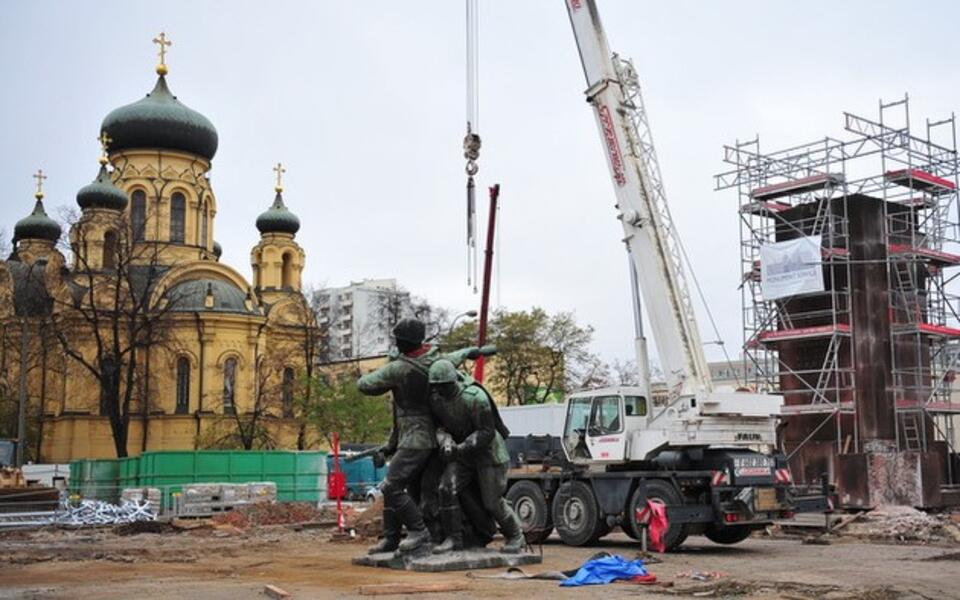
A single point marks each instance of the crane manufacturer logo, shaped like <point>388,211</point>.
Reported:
<point>613,146</point>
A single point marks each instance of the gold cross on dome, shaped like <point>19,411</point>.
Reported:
<point>162,41</point>
<point>279,170</point>
<point>39,176</point>
<point>105,141</point>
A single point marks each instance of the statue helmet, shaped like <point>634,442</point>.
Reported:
<point>411,331</point>
<point>443,371</point>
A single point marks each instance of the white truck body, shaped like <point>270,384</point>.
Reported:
<point>534,419</point>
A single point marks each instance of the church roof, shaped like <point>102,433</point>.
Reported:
<point>191,295</point>
<point>37,225</point>
<point>102,193</point>
<point>160,120</point>
<point>278,218</point>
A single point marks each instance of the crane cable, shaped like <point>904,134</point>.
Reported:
<point>471,142</point>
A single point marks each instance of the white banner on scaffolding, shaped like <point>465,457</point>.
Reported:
<point>790,268</point>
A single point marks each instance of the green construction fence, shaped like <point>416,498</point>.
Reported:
<point>299,475</point>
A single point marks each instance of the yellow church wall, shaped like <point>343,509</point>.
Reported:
<point>89,436</point>
<point>74,429</point>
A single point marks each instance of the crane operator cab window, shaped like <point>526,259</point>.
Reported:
<point>575,430</point>
<point>605,416</point>
<point>634,406</point>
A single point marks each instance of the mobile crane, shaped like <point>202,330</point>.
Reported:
<point>706,454</point>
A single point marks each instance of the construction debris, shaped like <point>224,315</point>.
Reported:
<point>138,527</point>
<point>97,512</point>
<point>846,521</point>
<point>207,499</point>
<point>369,523</point>
<point>905,524</point>
<point>255,515</point>
<point>151,495</point>
<point>701,575</point>
<point>276,593</point>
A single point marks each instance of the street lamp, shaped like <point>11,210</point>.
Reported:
<point>469,314</point>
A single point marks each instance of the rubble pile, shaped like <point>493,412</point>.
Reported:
<point>255,515</point>
<point>368,523</point>
<point>905,524</point>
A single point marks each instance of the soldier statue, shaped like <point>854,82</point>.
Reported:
<point>412,442</point>
<point>470,436</point>
<point>413,438</point>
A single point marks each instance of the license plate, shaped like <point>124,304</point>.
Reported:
<point>765,499</point>
<point>755,465</point>
<point>752,472</point>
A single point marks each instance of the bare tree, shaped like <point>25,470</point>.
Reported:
<point>314,344</point>
<point>37,356</point>
<point>625,372</point>
<point>107,316</point>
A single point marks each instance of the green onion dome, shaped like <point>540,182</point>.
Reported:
<point>278,219</point>
<point>37,226</point>
<point>101,193</point>
<point>161,121</point>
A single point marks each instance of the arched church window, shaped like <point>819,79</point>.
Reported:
<point>288,392</point>
<point>138,214</point>
<point>204,225</point>
<point>229,386</point>
<point>286,275</point>
<point>110,250</point>
<point>183,385</point>
<point>178,217</point>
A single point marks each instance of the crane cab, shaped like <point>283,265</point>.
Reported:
<point>598,424</point>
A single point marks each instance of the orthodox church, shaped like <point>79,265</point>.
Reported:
<point>132,332</point>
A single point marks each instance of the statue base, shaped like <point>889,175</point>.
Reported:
<point>460,560</point>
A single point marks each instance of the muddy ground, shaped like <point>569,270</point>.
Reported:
<point>232,564</point>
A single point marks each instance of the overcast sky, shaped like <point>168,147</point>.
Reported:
<point>363,102</point>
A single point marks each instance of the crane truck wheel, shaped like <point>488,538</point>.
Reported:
<point>665,492</point>
<point>531,506</point>
<point>727,535</point>
<point>576,514</point>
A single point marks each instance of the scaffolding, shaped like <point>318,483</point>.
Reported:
<point>816,189</point>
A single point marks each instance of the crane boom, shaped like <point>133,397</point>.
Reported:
<point>614,93</point>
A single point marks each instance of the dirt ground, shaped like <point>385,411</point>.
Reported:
<point>232,564</point>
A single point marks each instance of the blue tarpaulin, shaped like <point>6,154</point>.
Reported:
<point>605,570</point>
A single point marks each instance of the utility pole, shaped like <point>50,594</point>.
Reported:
<point>487,268</point>
<point>22,406</point>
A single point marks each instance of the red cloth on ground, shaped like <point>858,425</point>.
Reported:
<point>644,579</point>
<point>654,514</point>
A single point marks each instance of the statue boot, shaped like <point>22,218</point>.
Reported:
<point>512,531</point>
<point>450,517</point>
<point>391,534</point>
<point>415,540</point>
<point>417,533</point>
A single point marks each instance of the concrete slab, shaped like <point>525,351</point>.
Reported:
<point>463,560</point>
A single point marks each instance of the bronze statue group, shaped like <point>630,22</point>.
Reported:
<point>448,455</point>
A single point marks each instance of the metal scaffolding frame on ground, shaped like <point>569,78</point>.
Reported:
<point>833,188</point>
